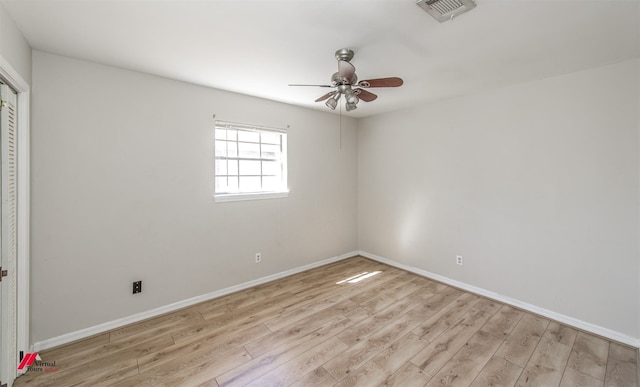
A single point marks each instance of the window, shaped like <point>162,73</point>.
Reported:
<point>250,162</point>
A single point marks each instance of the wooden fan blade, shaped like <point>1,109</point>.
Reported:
<point>326,96</point>
<point>365,96</point>
<point>382,82</point>
<point>346,69</point>
<point>299,84</point>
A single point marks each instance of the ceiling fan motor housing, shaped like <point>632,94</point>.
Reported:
<point>337,79</point>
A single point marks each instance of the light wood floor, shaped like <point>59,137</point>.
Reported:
<point>317,328</point>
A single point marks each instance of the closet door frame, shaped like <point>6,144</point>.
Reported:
<point>13,79</point>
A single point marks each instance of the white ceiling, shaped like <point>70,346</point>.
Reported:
<point>259,47</point>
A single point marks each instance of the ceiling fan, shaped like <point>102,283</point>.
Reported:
<point>346,83</point>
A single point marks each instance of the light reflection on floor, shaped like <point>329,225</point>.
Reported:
<point>359,277</point>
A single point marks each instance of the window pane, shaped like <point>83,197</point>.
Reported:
<point>221,134</point>
<point>221,148</point>
<point>221,184</point>
<point>249,161</point>
<point>271,168</point>
<point>250,184</point>
<point>233,167</point>
<point>248,136</point>
<point>249,167</point>
<point>271,183</point>
<point>249,150</point>
<point>232,185</point>
<point>232,149</point>
<point>221,167</point>
<point>270,151</point>
<point>271,138</point>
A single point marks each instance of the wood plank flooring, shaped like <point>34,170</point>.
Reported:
<point>351,323</point>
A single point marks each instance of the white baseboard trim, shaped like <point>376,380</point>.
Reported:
<point>568,320</point>
<point>101,328</point>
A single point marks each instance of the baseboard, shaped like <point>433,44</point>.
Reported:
<point>568,320</point>
<point>101,328</point>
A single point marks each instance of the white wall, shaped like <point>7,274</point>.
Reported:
<point>122,185</point>
<point>14,48</point>
<point>536,185</point>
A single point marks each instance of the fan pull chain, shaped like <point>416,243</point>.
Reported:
<point>340,126</point>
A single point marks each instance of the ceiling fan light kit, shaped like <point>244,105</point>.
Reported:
<point>333,101</point>
<point>351,97</point>
<point>443,10</point>
<point>345,82</point>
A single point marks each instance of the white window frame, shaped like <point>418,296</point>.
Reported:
<point>279,192</point>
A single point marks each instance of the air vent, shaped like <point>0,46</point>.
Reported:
<point>443,10</point>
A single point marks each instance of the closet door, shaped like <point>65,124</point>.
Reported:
<point>8,240</point>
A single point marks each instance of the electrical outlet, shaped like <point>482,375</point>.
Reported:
<point>258,257</point>
<point>459,259</point>
<point>137,287</point>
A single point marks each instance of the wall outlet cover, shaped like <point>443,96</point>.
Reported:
<point>137,287</point>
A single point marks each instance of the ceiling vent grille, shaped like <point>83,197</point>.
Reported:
<point>443,10</point>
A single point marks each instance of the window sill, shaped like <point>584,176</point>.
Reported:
<point>249,196</point>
